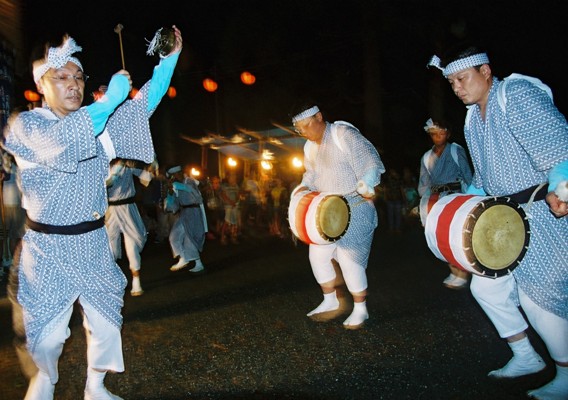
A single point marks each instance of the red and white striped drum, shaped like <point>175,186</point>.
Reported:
<point>426,203</point>
<point>480,234</point>
<point>318,217</point>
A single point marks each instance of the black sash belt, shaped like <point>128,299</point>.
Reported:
<point>524,195</point>
<point>190,206</point>
<point>77,229</point>
<point>120,202</point>
<point>446,187</point>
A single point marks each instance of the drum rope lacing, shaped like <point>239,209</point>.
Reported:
<point>529,203</point>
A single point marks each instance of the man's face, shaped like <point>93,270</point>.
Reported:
<point>312,128</point>
<point>439,136</point>
<point>471,85</point>
<point>63,88</point>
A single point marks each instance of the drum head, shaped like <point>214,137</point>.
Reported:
<point>500,236</point>
<point>333,217</point>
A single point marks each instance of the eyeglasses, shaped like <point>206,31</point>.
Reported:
<point>300,129</point>
<point>63,78</point>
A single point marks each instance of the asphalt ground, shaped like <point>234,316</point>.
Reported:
<point>239,331</point>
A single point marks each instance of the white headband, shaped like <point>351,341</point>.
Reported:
<point>459,65</point>
<point>173,170</point>
<point>310,112</point>
<point>429,125</point>
<point>57,57</point>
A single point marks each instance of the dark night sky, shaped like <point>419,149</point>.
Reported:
<point>305,48</point>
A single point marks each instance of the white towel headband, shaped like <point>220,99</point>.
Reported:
<point>459,65</point>
<point>310,112</point>
<point>57,57</point>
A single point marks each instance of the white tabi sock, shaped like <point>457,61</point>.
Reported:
<point>136,287</point>
<point>329,303</point>
<point>557,389</point>
<point>358,316</point>
<point>198,266</point>
<point>95,388</point>
<point>525,361</point>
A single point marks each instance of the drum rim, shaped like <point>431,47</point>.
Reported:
<point>467,240</point>
<point>333,239</point>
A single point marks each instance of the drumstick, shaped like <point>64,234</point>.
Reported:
<point>118,29</point>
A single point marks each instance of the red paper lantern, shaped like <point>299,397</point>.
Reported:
<point>210,85</point>
<point>172,92</point>
<point>133,93</point>
<point>247,78</point>
<point>32,96</point>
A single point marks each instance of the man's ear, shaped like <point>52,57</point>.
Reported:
<point>485,70</point>
<point>39,87</point>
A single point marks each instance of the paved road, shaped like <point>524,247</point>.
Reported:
<point>239,331</point>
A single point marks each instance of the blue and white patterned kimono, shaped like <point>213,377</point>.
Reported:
<point>443,169</point>
<point>187,236</point>
<point>63,167</point>
<point>125,218</point>
<point>514,149</point>
<point>335,166</point>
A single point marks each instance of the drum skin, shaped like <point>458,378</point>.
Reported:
<point>318,217</point>
<point>480,234</point>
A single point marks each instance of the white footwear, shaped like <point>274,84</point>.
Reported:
<point>456,283</point>
<point>329,303</point>
<point>557,389</point>
<point>136,287</point>
<point>180,264</point>
<point>100,393</point>
<point>40,387</point>
<point>358,317</point>
<point>449,279</point>
<point>198,266</point>
<point>525,361</point>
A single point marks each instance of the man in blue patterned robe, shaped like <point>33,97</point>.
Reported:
<point>123,220</point>
<point>518,142</point>
<point>444,169</point>
<point>63,151</point>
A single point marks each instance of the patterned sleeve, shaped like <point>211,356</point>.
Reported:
<point>364,157</point>
<point>129,129</point>
<point>424,181</point>
<point>59,144</point>
<point>308,177</point>
<point>537,124</point>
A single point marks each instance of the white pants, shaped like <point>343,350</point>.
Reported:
<point>494,297</point>
<point>132,251</point>
<point>320,259</point>
<point>551,328</point>
<point>104,343</point>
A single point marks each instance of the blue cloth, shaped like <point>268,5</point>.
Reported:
<point>514,149</point>
<point>63,168</point>
<point>443,169</point>
<point>557,174</point>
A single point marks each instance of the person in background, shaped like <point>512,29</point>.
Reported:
<point>63,151</point>
<point>13,215</point>
<point>230,193</point>
<point>123,219</point>
<point>339,159</point>
<point>279,196</point>
<point>444,169</point>
<point>215,208</point>
<point>187,236</point>
<point>518,142</point>
<point>394,199</point>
